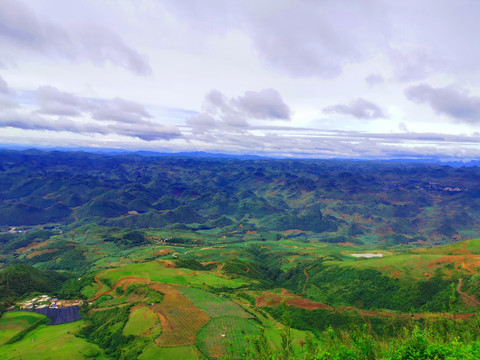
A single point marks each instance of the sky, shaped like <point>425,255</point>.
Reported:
<point>306,78</point>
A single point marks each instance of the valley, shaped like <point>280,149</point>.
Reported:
<point>238,259</point>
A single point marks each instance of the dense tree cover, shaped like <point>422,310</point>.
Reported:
<point>351,199</point>
<point>435,339</point>
<point>104,328</point>
<point>15,241</point>
<point>17,281</point>
<point>366,288</point>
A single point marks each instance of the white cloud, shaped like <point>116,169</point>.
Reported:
<point>23,34</point>
<point>360,109</point>
<point>457,104</point>
<point>62,111</point>
<point>236,113</point>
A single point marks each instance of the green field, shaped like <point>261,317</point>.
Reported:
<point>176,353</point>
<point>154,271</point>
<point>213,304</point>
<point>52,342</point>
<point>222,333</point>
<point>141,322</point>
<point>13,323</point>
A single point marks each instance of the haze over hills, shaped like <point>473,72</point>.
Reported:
<point>362,201</point>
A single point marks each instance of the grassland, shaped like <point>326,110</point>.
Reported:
<point>52,342</point>
<point>154,352</point>
<point>141,322</point>
<point>13,323</point>
<point>226,334</point>
<point>161,271</point>
<point>214,305</point>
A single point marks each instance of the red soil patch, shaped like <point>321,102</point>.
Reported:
<point>298,247</point>
<point>306,280</point>
<point>306,304</point>
<point>466,262</point>
<point>270,299</point>
<point>347,243</point>
<point>32,246</point>
<point>40,252</point>
<point>293,231</point>
<point>288,293</point>
<point>163,252</point>
<point>97,280</point>
<point>421,242</point>
<point>396,274</point>
<point>167,264</point>
<point>427,275</point>
<point>124,282</point>
<point>469,300</point>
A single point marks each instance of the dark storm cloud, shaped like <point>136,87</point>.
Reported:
<point>455,103</point>
<point>22,33</point>
<point>220,111</point>
<point>360,108</point>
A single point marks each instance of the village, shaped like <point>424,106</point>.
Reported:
<point>45,301</point>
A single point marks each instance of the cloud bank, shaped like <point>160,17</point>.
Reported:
<point>62,111</point>
<point>457,104</point>
<point>23,34</point>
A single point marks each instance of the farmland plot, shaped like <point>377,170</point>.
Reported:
<point>214,338</point>
<point>180,319</point>
<point>214,305</point>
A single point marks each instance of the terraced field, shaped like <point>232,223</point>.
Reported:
<point>166,272</point>
<point>214,305</point>
<point>180,319</point>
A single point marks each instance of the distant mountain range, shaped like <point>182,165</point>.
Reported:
<point>455,162</point>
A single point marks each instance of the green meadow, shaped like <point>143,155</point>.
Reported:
<point>52,342</point>
<point>12,323</point>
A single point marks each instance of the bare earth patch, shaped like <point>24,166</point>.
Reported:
<point>32,246</point>
<point>40,252</point>
<point>180,319</point>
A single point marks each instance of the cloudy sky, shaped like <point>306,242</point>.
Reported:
<point>304,78</point>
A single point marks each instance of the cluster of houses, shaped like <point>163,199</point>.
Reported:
<point>45,301</point>
<point>14,230</point>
